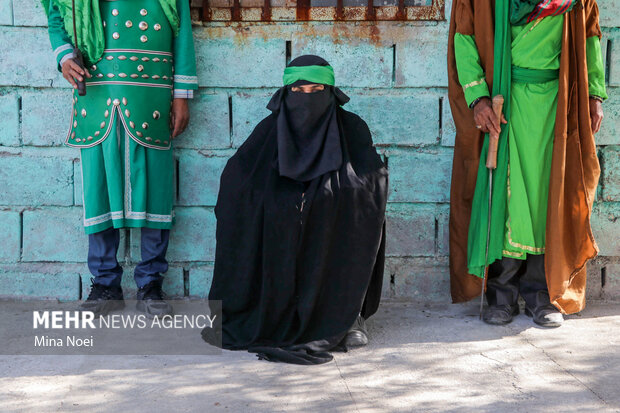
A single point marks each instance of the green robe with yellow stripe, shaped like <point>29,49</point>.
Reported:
<point>535,45</point>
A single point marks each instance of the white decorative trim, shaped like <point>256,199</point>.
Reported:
<point>89,222</point>
<point>61,49</point>
<point>137,51</point>
<point>186,79</point>
<point>117,82</point>
<point>127,131</point>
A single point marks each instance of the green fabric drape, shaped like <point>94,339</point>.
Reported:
<point>520,10</point>
<point>89,25</point>
<point>479,217</point>
<point>523,75</point>
<point>316,74</point>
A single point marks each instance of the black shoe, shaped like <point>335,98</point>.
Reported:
<point>103,299</point>
<point>357,336</point>
<point>545,316</point>
<point>151,300</point>
<point>500,314</point>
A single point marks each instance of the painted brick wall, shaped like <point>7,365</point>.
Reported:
<point>396,76</point>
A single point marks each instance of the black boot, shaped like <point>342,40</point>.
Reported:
<point>103,299</point>
<point>499,314</point>
<point>545,315</point>
<point>357,336</point>
<point>151,300</point>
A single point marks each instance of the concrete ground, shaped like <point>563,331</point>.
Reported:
<point>422,358</point>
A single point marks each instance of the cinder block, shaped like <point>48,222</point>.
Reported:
<point>6,12</point>
<point>39,281</point>
<point>35,178</point>
<point>248,110</point>
<point>29,13</point>
<point>54,234</point>
<point>417,176</point>
<point>199,177</point>
<point>34,65</point>
<point>193,235</point>
<point>610,128</point>
<point>614,63</point>
<point>443,229</point>
<point>9,113</point>
<point>209,125</point>
<point>10,223</point>
<point>410,230</point>
<point>606,227</point>
<point>608,13</point>
<point>611,289</point>
<point>355,63</point>
<point>448,128</point>
<point>200,279</point>
<point>421,279</point>
<point>46,117</point>
<point>594,287</point>
<point>410,120</point>
<point>421,61</point>
<point>611,173</point>
<point>78,186</point>
<point>227,62</point>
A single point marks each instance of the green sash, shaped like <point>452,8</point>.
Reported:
<point>89,25</point>
<point>316,74</point>
<point>477,238</point>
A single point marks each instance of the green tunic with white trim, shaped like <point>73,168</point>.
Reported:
<point>122,125</point>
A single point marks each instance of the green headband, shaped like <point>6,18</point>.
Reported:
<point>314,74</point>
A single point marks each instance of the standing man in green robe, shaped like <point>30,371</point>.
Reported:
<point>518,45</point>
<point>140,71</point>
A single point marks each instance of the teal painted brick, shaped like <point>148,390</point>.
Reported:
<point>78,195</point>
<point>29,13</point>
<point>9,113</point>
<point>254,62</point>
<point>610,129</point>
<point>443,229</point>
<point>355,63</point>
<point>6,12</point>
<point>606,227</point>
<point>448,128</point>
<point>209,126</point>
<point>54,234</point>
<point>412,119</point>
<point>614,64</point>
<point>200,278</point>
<point>46,117</point>
<point>249,108</point>
<point>199,177</point>
<point>32,178</point>
<point>421,61</point>
<point>193,235</point>
<point>26,281</point>
<point>10,223</point>
<point>609,16</point>
<point>419,278</point>
<point>420,176</point>
<point>34,65</point>
<point>411,230</point>
<point>611,173</point>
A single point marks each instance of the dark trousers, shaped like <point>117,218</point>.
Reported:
<point>102,262</point>
<point>510,277</point>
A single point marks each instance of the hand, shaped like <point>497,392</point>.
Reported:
<point>596,114</point>
<point>179,116</point>
<point>72,71</point>
<point>485,117</point>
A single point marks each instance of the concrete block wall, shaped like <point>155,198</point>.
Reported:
<point>396,76</point>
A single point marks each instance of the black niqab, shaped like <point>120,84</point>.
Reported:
<point>307,127</point>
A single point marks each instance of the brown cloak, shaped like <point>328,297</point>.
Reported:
<point>574,171</point>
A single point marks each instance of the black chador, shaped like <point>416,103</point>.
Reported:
<point>300,225</point>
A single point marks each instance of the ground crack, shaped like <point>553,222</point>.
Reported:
<point>346,385</point>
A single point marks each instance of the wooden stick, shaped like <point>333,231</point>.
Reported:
<point>498,105</point>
